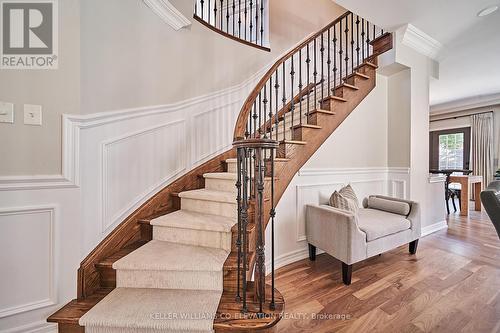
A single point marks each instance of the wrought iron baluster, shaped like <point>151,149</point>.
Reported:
<point>352,43</point>
<point>270,107</point>
<point>284,100</point>
<point>215,13</point>
<point>256,21</point>
<point>308,63</point>
<point>221,14</point>
<point>329,63</point>
<point>208,11</point>
<point>301,86</point>
<point>251,19</point>
<point>272,214</point>
<point>346,59</point>
<point>202,2</point>
<point>238,240</point>
<point>367,39</point>
<point>234,8</point>
<point>260,228</point>
<point>357,39</point>
<point>315,74</point>
<point>239,18</point>
<point>262,23</point>
<point>341,52</point>
<point>255,118</point>
<point>276,116</point>
<point>260,114</point>
<point>244,221</point>
<point>363,39</point>
<point>227,16</point>
<point>335,58</point>
<point>246,21</point>
<point>322,52</point>
<point>292,100</point>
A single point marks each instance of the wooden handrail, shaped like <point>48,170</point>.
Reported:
<point>247,106</point>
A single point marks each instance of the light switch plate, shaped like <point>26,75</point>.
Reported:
<point>32,114</point>
<point>6,112</point>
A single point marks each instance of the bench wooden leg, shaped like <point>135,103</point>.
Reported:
<point>312,252</point>
<point>346,273</point>
<point>413,246</point>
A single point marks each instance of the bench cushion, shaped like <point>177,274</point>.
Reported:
<point>377,224</point>
<point>391,206</point>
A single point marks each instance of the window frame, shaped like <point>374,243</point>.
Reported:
<point>434,146</point>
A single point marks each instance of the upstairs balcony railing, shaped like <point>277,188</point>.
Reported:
<point>243,20</point>
<point>294,86</point>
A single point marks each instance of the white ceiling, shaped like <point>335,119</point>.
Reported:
<point>470,59</point>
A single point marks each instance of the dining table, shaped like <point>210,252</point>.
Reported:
<point>466,182</point>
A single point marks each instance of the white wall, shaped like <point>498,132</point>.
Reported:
<point>399,119</point>
<point>36,150</point>
<point>361,140</point>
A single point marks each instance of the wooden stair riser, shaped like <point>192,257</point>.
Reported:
<point>319,118</point>
<point>355,80</point>
<point>299,133</point>
<point>210,207</point>
<point>107,277</point>
<point>345,92</point>
<point>205,238</point>
<point>230,271</point>
<point>329,104</point>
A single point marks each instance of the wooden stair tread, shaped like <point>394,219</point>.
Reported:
<point>75,309</point>
<point>335,98</point>
<point>108,262</point>
<point>307,126</point>
<point>361,75</point>
<point>368,63</point>
<point>347,85</point>
<point>293,142</point>
<point>332,113</point>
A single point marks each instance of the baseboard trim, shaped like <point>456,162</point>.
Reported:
<point>434,228</point>
<point>36,327</point>
<point>290,258</point>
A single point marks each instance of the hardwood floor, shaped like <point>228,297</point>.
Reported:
<point>452,284</point>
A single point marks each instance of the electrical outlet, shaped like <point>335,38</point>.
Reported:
<point>32,114</point>
<point>6,112</point>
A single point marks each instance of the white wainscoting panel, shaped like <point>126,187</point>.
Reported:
<point>146,160</point>
<point>27,258</point>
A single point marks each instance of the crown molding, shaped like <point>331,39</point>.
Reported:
<point>421,42</point>
<point>465,104</point>
<point>168,13</point>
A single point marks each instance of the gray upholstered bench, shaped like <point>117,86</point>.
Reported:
<point>383,224</point>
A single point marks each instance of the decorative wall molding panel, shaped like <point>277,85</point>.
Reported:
<point>168,13</point>
<point>421,42</point>
<point>20,293</point>
<point>120,197</point>
<point>13,183</point>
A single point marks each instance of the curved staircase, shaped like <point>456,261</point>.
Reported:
<point>184,261</point>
